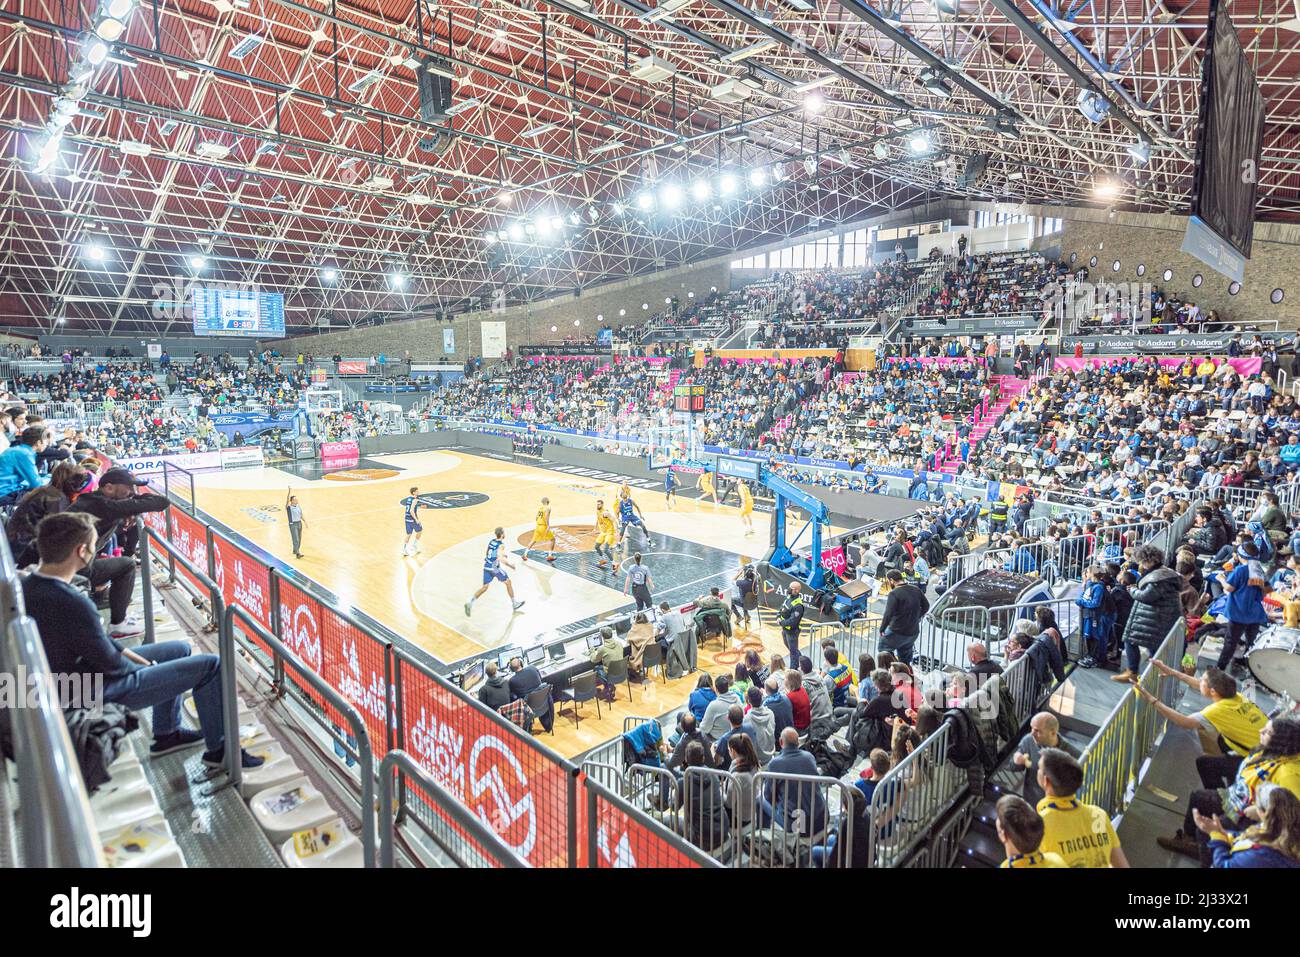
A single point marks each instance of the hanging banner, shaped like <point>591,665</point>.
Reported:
<point>494,339</point>
<point>449,341</point>
<point>352,366</point>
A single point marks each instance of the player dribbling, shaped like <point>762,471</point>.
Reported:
<point>605,535</point>
<point>492,562</point>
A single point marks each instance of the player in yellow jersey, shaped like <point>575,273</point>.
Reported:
<point>706,486</point>
<point>543,532</point>
<point>1020,830</point>
<point>605,535</point>
<point>746,506</point>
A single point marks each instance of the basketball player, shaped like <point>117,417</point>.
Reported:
<point>492,562</point>
<point>543,532</point>
<point>671,484</point>
<point>706,486</point>
<point>746,506</point>
<point>629,513</point>
<point>605,535</point>
<point>413,527</point>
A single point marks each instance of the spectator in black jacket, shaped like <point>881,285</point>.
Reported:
<point>495,692</point>
<point>155,676</point>
<point>66,481</point>
<point>113,502</point>
<point>900,623</point>
<point>1156,606</point>
<point>524,680</point>
<point>790,618</point>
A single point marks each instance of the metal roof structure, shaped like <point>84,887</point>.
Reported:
<point>279,144</point>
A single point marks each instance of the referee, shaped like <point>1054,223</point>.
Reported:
<point>294,512</point>
<point>639,580</point>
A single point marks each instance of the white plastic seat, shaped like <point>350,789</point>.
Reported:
<point>278,768</point>
<point>124,800</point>
<point>147,843</point>
<point>330,845</point>
<point>294,806</point>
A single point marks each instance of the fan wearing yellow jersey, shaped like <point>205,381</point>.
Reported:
<point>1081,834</point>
<point>706,486</point>
<point>605,535</point>
<point>1020,830</point>
<point>746,506</point>
<point>543,532</point>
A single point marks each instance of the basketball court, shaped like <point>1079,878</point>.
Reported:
<point>352,545</point>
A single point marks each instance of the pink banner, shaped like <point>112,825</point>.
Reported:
<point>352,367</point>
<point>1242,365</point>
<point>938,360</point>
<point>334,455</point>
<point>648,360</point>
<point>833,559</point>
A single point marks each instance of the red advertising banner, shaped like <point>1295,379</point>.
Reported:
<point>352,662</point>
<point>352,366</point>
<point>510,783</point>
<point>624,841</point>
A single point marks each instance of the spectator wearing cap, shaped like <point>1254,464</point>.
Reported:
<point>115,501</point>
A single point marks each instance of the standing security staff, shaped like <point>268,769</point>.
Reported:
<point>293,511</point>
<point>639,580</point>
<point>791,618</point>
<point>997,516</point>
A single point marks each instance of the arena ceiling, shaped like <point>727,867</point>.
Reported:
<point>277,143</point>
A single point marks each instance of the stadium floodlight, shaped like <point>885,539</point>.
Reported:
<point>1106,189</point>
<point>96,50</point>
<point>726,184</point>
<point>198,262</point>
<point>96,252</point>
<point>813,103</point>
<point>109,28</point>
<point>700,190</point>
<point>329,275</point>
<point>516,232</point>
<point>397,279</point>
<point>556,224</point>
<point>543,225</point>
<point>758,178</point>
<point>622,312</point>
<point>671,195</point>
<point>920,143</point>
<point>1140,151</point>
<point>816,84</point>
<point>616,209</point>
<point>504,199</point>
<point>118,9</point>
<point>575,219</point>
<point>881,151</point>
<point>645,200</point>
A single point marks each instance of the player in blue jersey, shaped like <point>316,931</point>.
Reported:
<point>671,484</point>
<point>629,513</point>
<point>492,562</point>
<point>411,506</point>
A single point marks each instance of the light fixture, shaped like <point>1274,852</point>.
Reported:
<point>543,225</point>
<point>700,190</point>
<point>816,84</point>
<point>516,232</point>
<point>197,262</point>
<point>575,219</point>
<point>1106,189</point>
<point>329,275</point>
<point>935,84</point>
<point>726,184</point>
<point>920,143</point>
<point>645,306</point>
<point>949,7</point>
<point>577,322</point>
<point>96,252</point>
<point>616,209</point>
<point>458,108</point>
<point>744,53</point>
<point>119,8</point>
<point>902,121</point>
<point>109,28</point>
<point>441,68</point>
<point>622,312</point>
<point>245,46</point>
<point>671,195</point>
<point>397,279</point>
<point>813,103</point>
<point>645,200</point>
<point>505,199</point>
<point>758,178</point>
<point>96,50</point>
<point>537,131</point>
<point>1140,151</point>
<point>881,151</point>
<point>556,223</point>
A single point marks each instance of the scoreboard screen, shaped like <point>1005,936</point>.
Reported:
<point>237,312</point>
<point>688,398</point>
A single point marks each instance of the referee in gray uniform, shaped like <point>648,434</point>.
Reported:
<point>294,513</point>
<point>639,580</point>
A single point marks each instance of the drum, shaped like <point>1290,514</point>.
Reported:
<point>1274,660</point>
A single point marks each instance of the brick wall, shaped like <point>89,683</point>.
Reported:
<point>1155,241</point>
<point>525,325</point>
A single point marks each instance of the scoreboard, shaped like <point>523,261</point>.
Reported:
<point>688,398</point>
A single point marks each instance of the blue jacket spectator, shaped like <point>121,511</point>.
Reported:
<point>18,463</point>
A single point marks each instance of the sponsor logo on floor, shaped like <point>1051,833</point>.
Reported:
<point>360,475</point>
<point>568,538</point>
<point>452,499</point>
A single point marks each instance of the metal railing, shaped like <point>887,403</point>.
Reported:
<point>1114,759</point>
<point>55,823</point>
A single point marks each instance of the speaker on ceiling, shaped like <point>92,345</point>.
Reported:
<point>435,89</point>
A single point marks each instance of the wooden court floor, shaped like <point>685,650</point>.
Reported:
<point>352,545</point>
